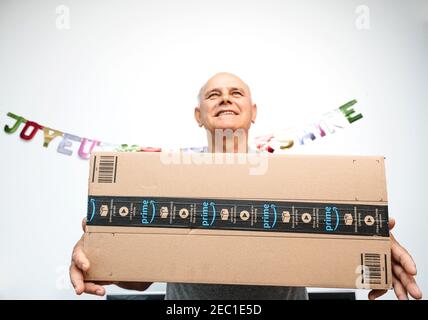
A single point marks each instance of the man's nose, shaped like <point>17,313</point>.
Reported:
<point>226,99</point>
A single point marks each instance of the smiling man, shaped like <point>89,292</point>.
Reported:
<point>225,104</point>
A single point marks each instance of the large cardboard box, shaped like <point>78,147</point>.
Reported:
<point>314,221</point>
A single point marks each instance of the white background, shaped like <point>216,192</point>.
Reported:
<point>129,72</point>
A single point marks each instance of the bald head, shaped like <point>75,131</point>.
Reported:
<point>225,103</point>
<point>222,77</point>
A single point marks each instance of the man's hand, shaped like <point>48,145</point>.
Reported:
<point>80,264</point>
<point>403,272</point>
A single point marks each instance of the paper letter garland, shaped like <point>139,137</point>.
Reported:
<point>274,142</point>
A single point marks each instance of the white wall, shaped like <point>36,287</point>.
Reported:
<point>129,71</point>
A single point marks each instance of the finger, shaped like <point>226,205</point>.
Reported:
<point>402,256</point>
<point>104,283</point>
<point>76,277</point>
<point>407,281</point>
<point>391,223</point>
<point>83,224</point>
<point>374,294</point>
<point>93,288</point>
<point>80,259</point>
<point>399,290</point>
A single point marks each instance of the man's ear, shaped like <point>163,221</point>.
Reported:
<point>198,116</point>
<point>254,113</point>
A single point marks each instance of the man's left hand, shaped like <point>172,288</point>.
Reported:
<point>403,272</point>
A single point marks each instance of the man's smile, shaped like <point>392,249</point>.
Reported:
<point>225,112</point>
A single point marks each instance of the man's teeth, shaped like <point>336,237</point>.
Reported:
<point>226,112</point>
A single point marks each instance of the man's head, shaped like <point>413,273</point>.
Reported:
<point>225,103</point>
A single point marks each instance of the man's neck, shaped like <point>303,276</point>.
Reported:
<point>219,143</point>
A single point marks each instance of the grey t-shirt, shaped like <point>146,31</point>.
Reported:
<point>187,291</point>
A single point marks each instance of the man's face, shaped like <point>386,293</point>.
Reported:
<point>225,103</point>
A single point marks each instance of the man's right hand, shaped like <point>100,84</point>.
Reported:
<point>80,264</point>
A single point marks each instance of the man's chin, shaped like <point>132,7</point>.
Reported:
<point>227,127</point>
<point>227,124</point>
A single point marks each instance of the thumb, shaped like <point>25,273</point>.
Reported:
<point>391,223</point>
<point>83,224</point>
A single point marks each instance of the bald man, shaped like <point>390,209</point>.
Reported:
<point>225,104</point>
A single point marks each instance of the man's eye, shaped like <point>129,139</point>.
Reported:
<point>237,93</point>
<point>211,95</point>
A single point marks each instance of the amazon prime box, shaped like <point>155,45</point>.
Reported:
<point>255,219</point>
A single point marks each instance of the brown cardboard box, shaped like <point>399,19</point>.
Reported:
<point>309,253</point>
